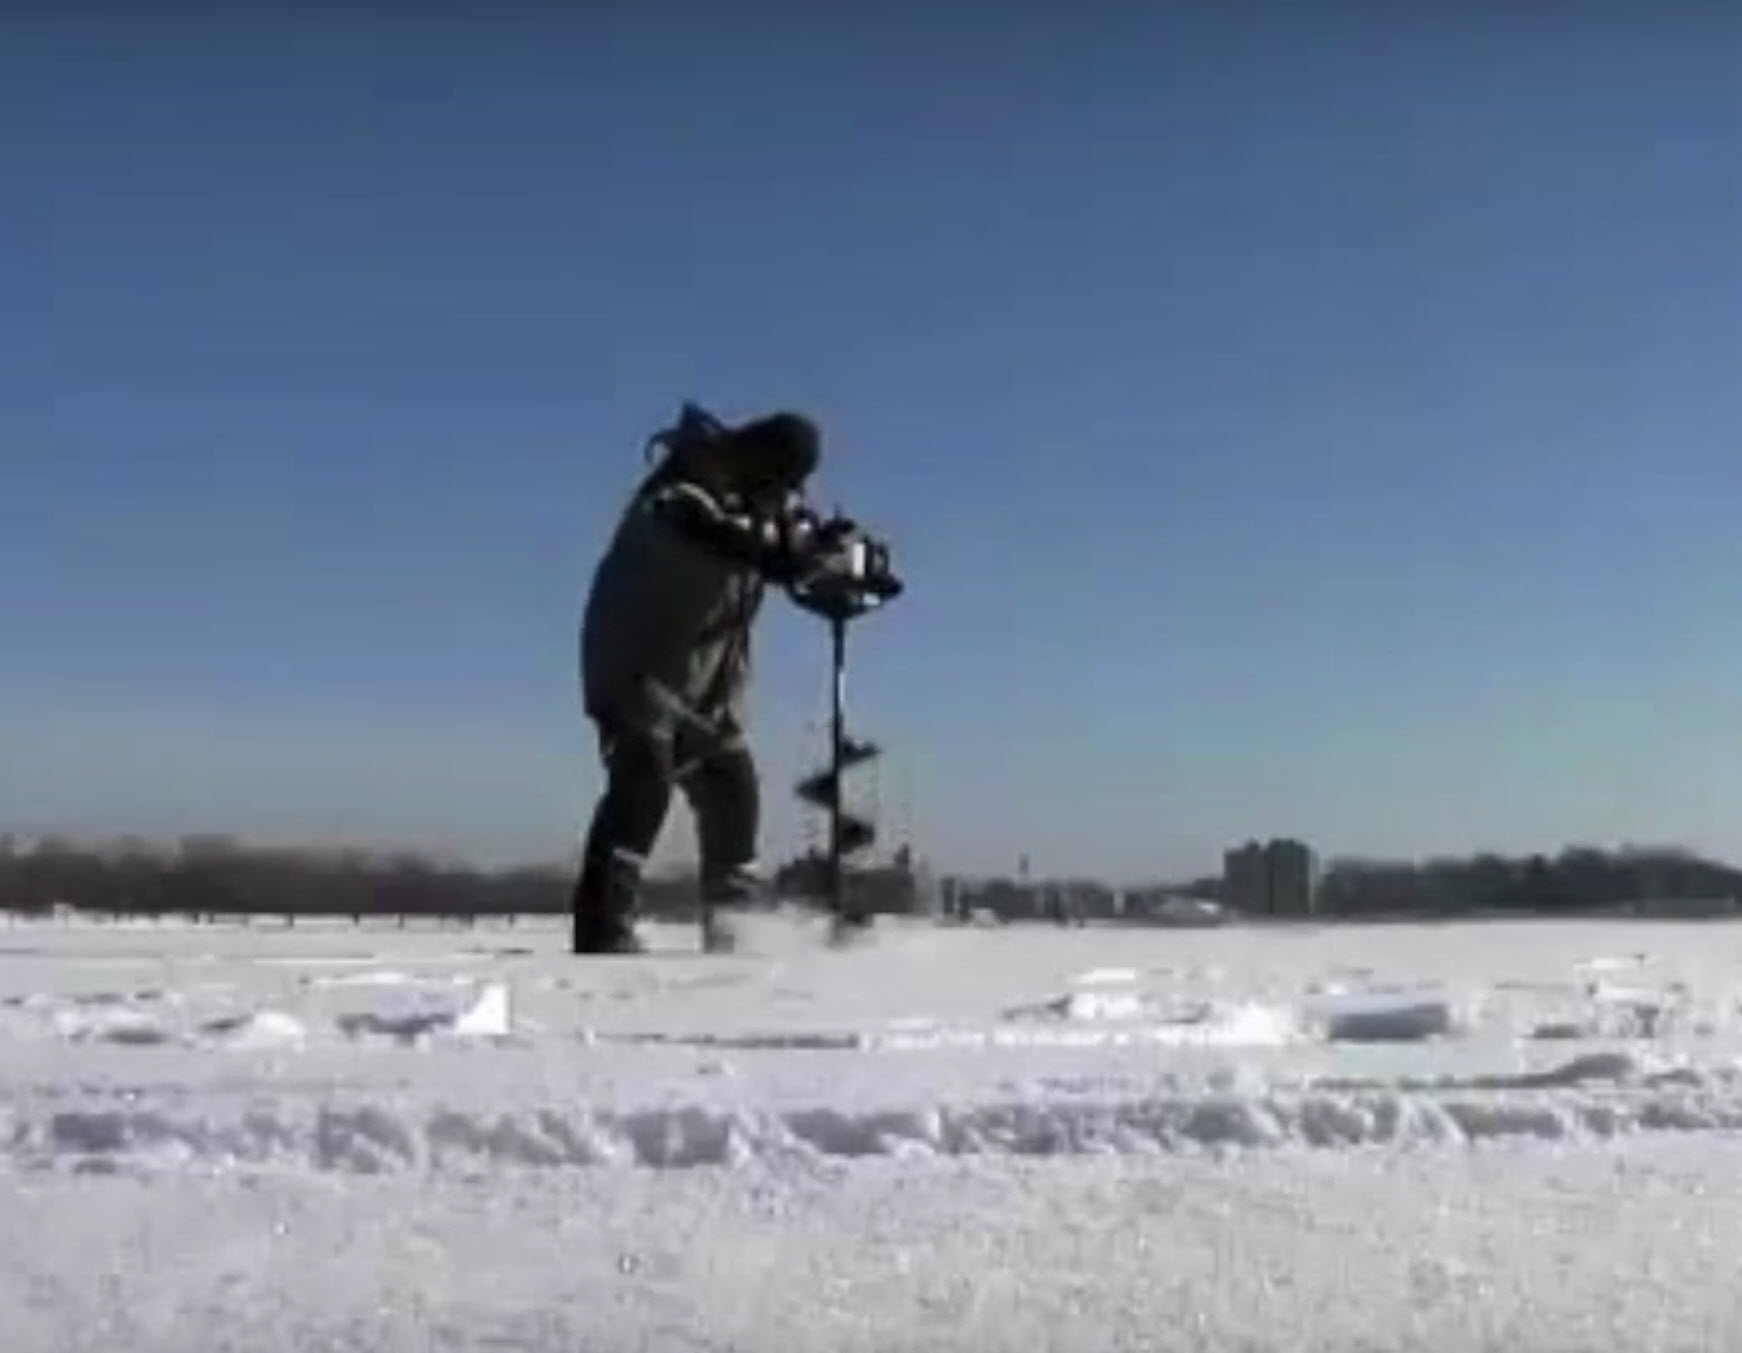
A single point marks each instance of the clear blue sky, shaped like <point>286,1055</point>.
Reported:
<point>1323,425</point>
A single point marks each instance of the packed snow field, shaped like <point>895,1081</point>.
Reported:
<point>331,1136</point>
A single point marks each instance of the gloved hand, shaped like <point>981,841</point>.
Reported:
<point>798,533</point>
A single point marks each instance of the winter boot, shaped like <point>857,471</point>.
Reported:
<point>725,890</point>
<point>605,902</point>
<point>849,928</point>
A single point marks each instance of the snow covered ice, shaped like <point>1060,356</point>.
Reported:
<point>1515,1135</point>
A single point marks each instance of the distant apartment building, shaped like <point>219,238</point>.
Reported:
<point>1246,879</point>
<point>1278,878</point>
<point>1294,878</point>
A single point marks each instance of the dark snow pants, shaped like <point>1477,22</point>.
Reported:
<point>643,765</point>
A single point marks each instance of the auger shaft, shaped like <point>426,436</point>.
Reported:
<point>837,878</point>
<point>848,834</point>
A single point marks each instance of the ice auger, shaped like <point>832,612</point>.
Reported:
<point>854,580</point>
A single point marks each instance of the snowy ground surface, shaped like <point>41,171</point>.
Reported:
<point>1507,1136</point>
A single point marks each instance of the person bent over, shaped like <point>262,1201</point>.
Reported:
<point>665,659</point>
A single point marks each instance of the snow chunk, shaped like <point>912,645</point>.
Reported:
<point>1563,1031</point>
<point>488,1016</point>
<point>1095,977</point>
<point>1635,1012</point>
<point>1084,1005</point>
<point>261,1030</point>
<point>1386,1018</point>
<point>1250,1024</point>
<point>383,977</point>
<point>1621,964</point>
<point>107,1024</point>
<point>1595,1066</point>
<point>419,1015</point>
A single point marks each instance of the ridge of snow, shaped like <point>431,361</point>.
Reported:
<point>1597,1097</point>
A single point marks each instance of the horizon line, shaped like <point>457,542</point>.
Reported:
<point>11,838</point>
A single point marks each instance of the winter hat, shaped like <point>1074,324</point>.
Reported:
<point>786,447</point>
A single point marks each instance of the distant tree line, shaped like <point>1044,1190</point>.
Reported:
<point>221,877</point>
<point>1581,879</point>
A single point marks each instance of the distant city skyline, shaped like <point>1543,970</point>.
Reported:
<point>1315,425</point>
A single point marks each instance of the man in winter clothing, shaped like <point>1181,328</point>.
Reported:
<point>665,658</point>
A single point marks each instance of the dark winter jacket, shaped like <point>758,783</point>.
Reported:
<point>666,637</point>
